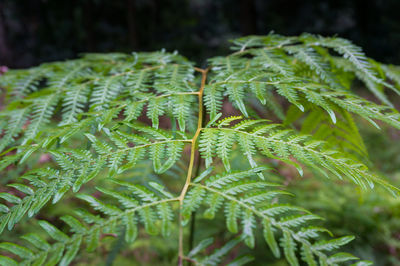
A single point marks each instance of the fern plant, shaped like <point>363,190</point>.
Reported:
<point>81,131</point>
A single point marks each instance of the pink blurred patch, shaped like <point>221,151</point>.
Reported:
<point>44,158</point>
<point>3,69</point>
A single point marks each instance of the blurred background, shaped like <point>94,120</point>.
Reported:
<point>35,31</point>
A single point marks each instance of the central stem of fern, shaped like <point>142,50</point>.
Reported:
<point>191,161</point>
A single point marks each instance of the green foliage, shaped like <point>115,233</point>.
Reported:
<point>83,132</point>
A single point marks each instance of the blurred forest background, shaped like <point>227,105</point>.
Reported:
<point>35,31</point>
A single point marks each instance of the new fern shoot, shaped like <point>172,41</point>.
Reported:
<point>148,146</point>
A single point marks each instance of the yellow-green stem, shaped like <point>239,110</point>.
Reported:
<point>191,161</point>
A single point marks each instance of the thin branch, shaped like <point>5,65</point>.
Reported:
<point>191,162</point>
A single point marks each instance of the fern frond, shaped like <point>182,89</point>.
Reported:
<point>123,123</point>
<point>271,40</point>
<point>312,59</point>
<point>282,144</point>
<point>28,83</point>
<point>272,59</point>
<point>344,135</point>
<point>16,121</point>
<point>174,78</point>
<point>74,103</point>
<point>43,108</point>
<point>63,74</point>
<point>393,73</point>
<point>107,89</point>
<point>354,54</point>
<point>79,167</point>
<point>237,207</point>
<point>47,184</point>
<point>66,247</point>
<point>138,81</point>
<point>349,51</point>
